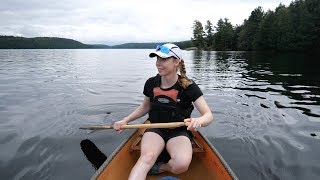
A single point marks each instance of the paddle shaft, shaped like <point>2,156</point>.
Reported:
<point>136,126</point>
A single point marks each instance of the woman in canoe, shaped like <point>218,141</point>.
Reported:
<point>169,97</point>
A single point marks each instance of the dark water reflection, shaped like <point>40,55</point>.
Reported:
<point>266,109</point>
<point>289,71</point>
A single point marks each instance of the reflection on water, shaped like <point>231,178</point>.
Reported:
<point>294,76</point>
<point>266,109</point>
<point>265,105</point>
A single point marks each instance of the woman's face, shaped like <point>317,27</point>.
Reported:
<point>167,66</point>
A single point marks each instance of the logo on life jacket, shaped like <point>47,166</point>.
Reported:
<point>163,100</point>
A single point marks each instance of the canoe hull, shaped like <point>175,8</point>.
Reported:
<point>207,163</point>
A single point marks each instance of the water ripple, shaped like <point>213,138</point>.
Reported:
<point>265,106</point>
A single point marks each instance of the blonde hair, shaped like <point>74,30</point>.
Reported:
<point>183,80</point>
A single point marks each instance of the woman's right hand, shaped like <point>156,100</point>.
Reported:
<point>117,125</point>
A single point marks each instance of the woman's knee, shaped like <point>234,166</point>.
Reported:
<point>180,165</point>
<point>148,157</point>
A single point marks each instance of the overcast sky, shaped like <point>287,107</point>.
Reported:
<point>120,21</point>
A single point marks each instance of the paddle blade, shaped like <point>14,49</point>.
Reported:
<point>92,153</point>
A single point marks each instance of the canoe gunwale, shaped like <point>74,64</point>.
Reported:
<point>224,163</point>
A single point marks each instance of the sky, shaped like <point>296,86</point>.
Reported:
<point>121,21</point>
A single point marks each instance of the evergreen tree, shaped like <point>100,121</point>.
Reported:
<point>219,35</point>
<point>229,34</point>
<point>313,8</point>
<point>224,37</point>
<point>237,30</point>
<point>282,28</point>
<point>305,25</point>
<point>250,29</point>
<point>265,39</point>
<point>209,35</point>
<point>198,35</point>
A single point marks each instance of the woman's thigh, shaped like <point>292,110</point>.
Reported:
<point>152,143</point>
<point>180,148</point>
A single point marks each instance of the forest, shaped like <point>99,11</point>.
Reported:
<point>292,28</point>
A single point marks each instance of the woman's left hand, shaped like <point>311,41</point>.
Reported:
<point>194,124</point>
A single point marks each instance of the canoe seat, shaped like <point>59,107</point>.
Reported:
<point>196,146</point>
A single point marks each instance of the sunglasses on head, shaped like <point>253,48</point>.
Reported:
<point>166,50</point>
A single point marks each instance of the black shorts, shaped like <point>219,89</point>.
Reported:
<point>167,134</point>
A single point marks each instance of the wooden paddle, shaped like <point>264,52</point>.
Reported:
<point>136,126</point>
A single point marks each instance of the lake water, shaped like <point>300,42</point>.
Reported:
<point>266,108</point>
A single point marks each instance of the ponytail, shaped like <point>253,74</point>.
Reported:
<point>183,80</point>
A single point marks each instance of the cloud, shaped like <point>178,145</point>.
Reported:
<point>113,22</point>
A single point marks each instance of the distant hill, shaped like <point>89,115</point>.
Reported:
<point>99,46</point>
<point>135,46</point>
<point>13,42</point>
<point>181,44</point>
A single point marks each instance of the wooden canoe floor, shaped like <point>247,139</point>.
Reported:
<point>204,166</point>
<point>196,171</point>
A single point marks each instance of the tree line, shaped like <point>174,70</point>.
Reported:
<point>292,28</point>
<point>13,42</point>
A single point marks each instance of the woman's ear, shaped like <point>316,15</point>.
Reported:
<point>176,62</point>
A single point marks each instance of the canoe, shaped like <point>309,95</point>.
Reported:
<point>206,164</point>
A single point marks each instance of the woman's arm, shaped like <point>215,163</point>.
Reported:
<point>142,110</point>
<point>139,112</point>
<point>206,116</point>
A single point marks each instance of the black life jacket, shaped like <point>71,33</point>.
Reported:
<point>168,105</point>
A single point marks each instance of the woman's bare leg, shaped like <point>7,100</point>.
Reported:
<point>180,150</point>
<point>152,145</point>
